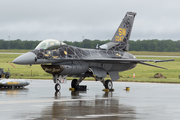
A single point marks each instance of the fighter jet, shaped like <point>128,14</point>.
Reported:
<point>62,60</point>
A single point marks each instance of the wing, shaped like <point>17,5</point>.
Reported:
<point>105,60</point>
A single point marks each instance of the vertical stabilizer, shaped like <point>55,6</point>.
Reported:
<point>120,40</point>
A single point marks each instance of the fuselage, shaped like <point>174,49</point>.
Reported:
<point>70,60</point>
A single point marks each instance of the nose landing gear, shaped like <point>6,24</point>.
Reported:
<point>57,87</point>
<point>59,79</point>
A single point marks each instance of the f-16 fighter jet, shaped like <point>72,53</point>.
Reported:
<point>61,60</point>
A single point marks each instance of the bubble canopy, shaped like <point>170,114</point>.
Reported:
<point>49,44</point>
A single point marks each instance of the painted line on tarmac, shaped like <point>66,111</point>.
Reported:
<point>55,100</point>
<point>124,115</point>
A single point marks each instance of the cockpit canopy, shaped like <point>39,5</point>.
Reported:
<point>49,44</point>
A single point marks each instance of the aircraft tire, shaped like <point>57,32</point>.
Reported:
<point>57,94</point>
<point>6,76</point>
<point>57,87</point>
<point>74,83</point>
<point>108,84</point>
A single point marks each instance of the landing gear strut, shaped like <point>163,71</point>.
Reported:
<point>108,85</point>
<point>75,84</point>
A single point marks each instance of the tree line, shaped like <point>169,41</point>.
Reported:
<point>138,45</point>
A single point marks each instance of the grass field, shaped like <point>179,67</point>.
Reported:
<point>155,53</point>
<point>14,51</point>
<point>143,72</point>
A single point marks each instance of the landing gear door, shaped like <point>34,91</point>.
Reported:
<point>114,75</point>
<point>62,78</point>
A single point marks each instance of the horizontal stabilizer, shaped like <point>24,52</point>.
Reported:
<point>152,65</point>
<point>163,60</point>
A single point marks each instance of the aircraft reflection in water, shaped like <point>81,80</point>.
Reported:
<point>63,60</point>
<point>13,92</point>
<point>105,107</point>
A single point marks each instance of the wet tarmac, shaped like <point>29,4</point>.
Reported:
<point>39,101</point>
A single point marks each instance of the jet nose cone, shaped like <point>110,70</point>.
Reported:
<point>27,83</point>
<point>27,58</point>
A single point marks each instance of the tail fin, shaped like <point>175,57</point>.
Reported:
<point>120,40</point>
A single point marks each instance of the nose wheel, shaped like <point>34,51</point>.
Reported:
<point>57,80</point>
<point>57,87</point>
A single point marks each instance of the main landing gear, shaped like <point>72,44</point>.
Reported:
<point>108,84</point>
<point>75,83</point>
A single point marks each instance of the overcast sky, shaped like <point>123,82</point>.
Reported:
<point>93,19</point>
